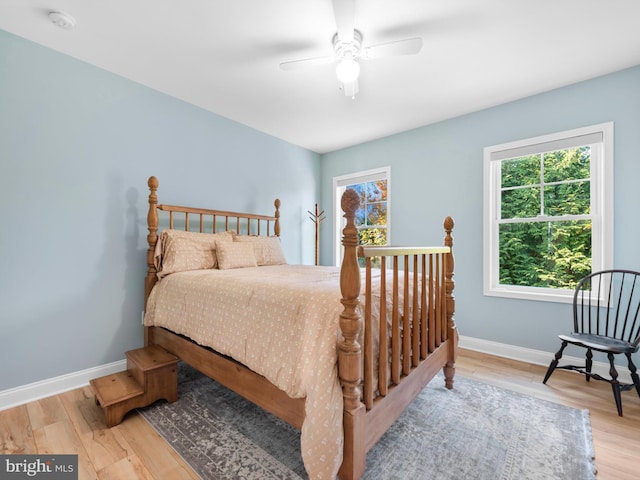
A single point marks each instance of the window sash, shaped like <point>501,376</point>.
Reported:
<point>600,138</point>
<point>553,145</point>
<point>339,184</point>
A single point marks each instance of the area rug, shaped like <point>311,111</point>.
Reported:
<point>475,431</point>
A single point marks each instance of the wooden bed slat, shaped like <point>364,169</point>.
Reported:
<point>437,298</point>
<point>383,373</point>
<point>423,311</point>
<point>368,340</point>
<point>395,328</point>
<point>415,320</point>
<point>406,320</point>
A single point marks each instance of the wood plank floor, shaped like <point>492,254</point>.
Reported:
<point>72,423</point>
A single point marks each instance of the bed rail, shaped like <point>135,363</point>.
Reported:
<point>413,324</point>
<point>220,220</point>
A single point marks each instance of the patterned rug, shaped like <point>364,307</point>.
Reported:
<point>475,431</point>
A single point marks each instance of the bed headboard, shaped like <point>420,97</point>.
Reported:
<point>200,220</point>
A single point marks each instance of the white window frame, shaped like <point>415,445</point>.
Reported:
<point>339,184</point>
<point>601,181</point>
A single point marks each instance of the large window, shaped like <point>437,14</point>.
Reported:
<point>548,213</point>
<point>372,218</point>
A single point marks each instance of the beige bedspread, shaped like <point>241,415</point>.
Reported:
<point>280,321</point>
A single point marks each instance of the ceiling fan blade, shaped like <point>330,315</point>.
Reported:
<point>344,11</point>
<point>307,62</point>
<point>410,46</point>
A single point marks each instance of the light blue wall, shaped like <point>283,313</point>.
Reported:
<point>437,171</point>
<point>77,145</point>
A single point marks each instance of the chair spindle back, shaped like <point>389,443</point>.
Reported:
<point>607,303</point>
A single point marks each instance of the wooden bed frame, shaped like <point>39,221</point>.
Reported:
<point>430,341</point>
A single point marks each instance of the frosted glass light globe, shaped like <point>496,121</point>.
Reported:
<point>348,70</point>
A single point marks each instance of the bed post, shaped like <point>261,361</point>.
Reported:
<point>152,238</point>
<point>349,350</point>
<point>276,226</point>
<point>452,334</point>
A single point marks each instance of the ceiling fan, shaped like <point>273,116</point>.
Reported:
<point>348,49</point>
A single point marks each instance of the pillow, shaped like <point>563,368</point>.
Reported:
<point>235,255</point>
<point>268,250</point>
<point>183,251</point>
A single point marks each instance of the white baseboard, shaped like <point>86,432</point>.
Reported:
<point>536,357</point>
<point>53,386</point>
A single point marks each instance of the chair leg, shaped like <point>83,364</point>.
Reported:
<point>615,385</point>
<point>589,364</point>
<point>634,374</point>
<point>554,362</point>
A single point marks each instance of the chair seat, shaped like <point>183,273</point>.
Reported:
<point>599,342</point>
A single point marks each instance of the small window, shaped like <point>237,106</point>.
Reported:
<point>372,218</point>
<point>548,209</point>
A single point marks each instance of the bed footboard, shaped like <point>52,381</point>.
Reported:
<point>417,333</point>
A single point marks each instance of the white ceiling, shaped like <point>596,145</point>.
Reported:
<point>224,56</point>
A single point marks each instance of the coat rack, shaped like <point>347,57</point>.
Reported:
<point>317,218</point>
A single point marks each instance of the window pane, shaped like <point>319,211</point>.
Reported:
<point>520,203</point>
<point>571,164</point>
<point>567,199</point>
<point>373,236</point>
<point>377,214</point>
<point>374,193</point>
<point>520,171</point>
<point>545,254</point>
<point>373,205</point>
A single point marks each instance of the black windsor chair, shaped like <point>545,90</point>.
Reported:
<point>606,308</point>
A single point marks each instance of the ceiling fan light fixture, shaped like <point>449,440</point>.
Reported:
<point>350,89</point>
<point>348,70</point>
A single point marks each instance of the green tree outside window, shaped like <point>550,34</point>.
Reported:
<point>544,229</point>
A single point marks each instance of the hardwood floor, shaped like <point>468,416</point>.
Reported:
<point>72,423</point>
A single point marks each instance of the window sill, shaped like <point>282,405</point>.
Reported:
<point>535,294</point>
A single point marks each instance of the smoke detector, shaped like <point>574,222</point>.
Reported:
<point>62,20</point>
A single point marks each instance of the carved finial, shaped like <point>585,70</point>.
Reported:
<point>448,224</point>
<point>153,183</point>
<point>276,227</point>
<point>448,228</point>
<point>350,202</point>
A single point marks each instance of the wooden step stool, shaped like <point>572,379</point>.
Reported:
<point>152,374</point>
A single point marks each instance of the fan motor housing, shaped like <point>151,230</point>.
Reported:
<point>344,49</point>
